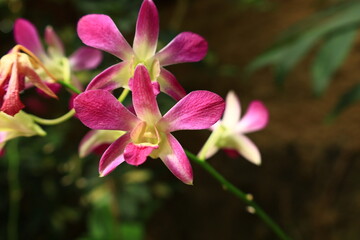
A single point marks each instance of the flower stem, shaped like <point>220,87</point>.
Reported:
<point>69,86</point>
<point>123,95</point>
<point>240,194</point>
<point>14,190</point>
<point>55,121</point>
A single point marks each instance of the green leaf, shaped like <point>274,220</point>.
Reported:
<point>291,56</point>
<point>329,58</point>
<point>350,97</point>
<point>299,39</point>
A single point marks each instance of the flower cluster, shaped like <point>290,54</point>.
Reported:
<point>129,135</point>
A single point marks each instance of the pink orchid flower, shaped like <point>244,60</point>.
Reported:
<point>19,125</point>
<point>99,31</point>
<point>15,68</point>
<point>54,58</point>
<point>148,133</point>
<point>230,131</point>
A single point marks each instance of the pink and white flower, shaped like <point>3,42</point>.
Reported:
<point>229,133</point>
<point>16,67</point>
<point>54,58</point>
<point>148,133</point>
<point>99,31</point>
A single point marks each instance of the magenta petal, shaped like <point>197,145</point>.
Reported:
<point>26,34</point>
<point>147,31</point>
<point>85,58</point>
<point>255,118</point>
<point>111,78</point>
<point>99,109</point>
<point>197,110</point>
<point>11,103</point>
<point>99,31</point>
<point>53,40</point>
<point>185,47</point>
<point>170,86</point>
<point>135,154</point>
<point>113,156</point>
<point>177,161</point>
<point>144,99</point>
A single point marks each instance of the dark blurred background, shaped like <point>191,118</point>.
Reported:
<point>301,58</point>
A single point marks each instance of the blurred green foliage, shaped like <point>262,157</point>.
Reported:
<point>331,31</point>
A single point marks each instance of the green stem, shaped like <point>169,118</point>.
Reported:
<point>240,194</point>
<point>55,121</point>
<point>69,86</point>
<point>123,95</point>
<point>14,190</point>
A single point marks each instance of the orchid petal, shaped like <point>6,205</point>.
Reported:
<point>85,58</point>
<point>95,138</point>
<point>147,31</point>
<point>136,154</point>
<point>176,160</point>
<point>19,125</point>
<point>255,118</point>
<point>53,40</point>
<point>99,109</point>
<point>197,110</point>
<point>144,99</point>
<point>111,78</point>
<point>11,103</point>
<point>245,147</point>
<point>35,79</point>
<point>26,34</point>
<point>185,47</point>
<point>3,138</point>
<point>170,86</point>
<point>211,151</point>
<point>99,31</point>
<point>113,156</point>
<point>232,110</point>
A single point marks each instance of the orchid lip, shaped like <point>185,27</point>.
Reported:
<point>145,135</point>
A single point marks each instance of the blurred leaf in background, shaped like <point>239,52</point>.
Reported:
<point>334,28</point>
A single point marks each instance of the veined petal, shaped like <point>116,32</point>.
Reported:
<point>53,40</point>
<point>170,86</point>
<point>185,47</point>
<point>232,110</point>
<point>111,78</point>
<point>245,147</point>
<point>96,138</point>
<point>99,31</point>
<point>147,31</point>
<point>256,118</point>
<point>113,156</point>
<point>26,34</point>
<point>11,103</point>
<point>136,154</point>
<point>176,160</point>
<point>144,99</point>
<point>35,79</point>
<point>197,110</point>
<point>99,109</point>
<point>85,58</point>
